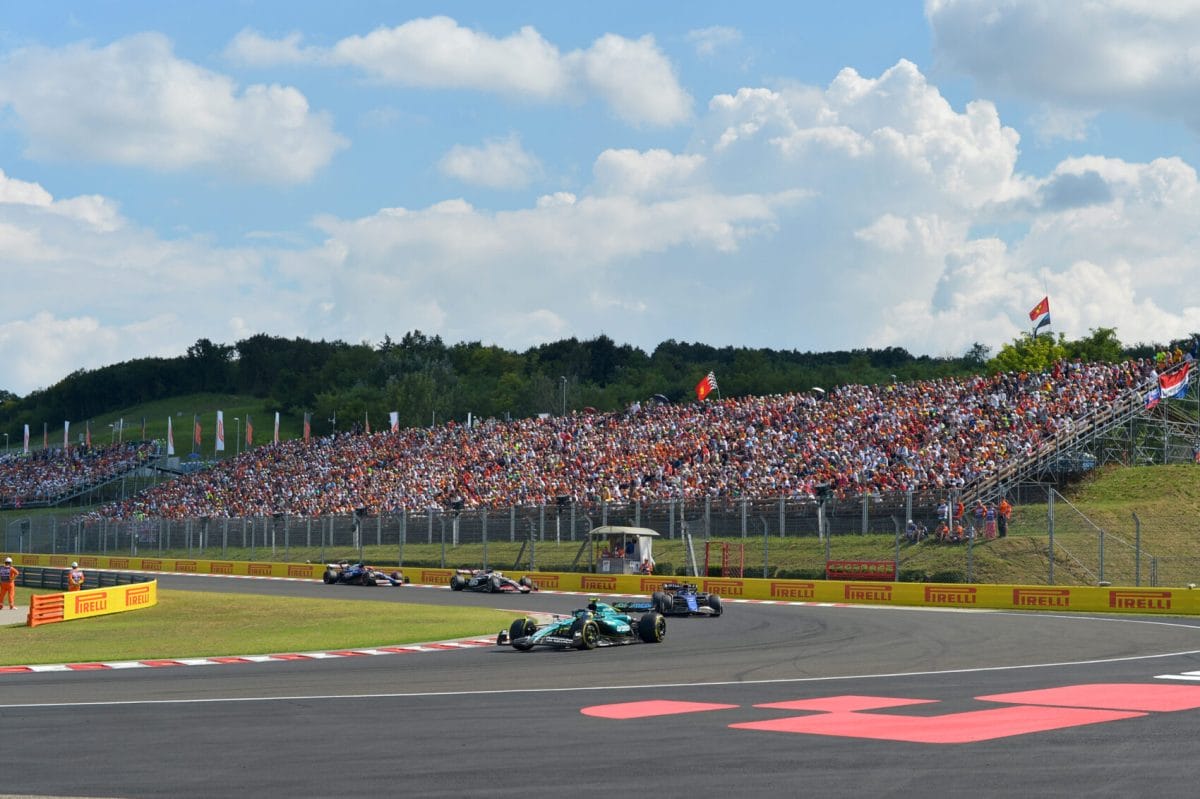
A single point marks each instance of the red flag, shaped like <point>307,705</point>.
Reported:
<point>1040,309</point>
<point>249,433</point>
<point>706,386</point>
<point>196,430</point>
<point>307,426</point>
<point>87,432</point>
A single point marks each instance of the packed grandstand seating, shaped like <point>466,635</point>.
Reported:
<point>43,476</point>
<point>923,435</point>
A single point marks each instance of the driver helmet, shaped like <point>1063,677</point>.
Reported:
<point>74,565</point>
<point>592,603</point>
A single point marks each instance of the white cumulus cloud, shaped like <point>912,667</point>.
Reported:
<point>497,163</point>
<point>633,76</point>
<point>134,103</point>
<point>628,171</point>
<point>1101,54</point>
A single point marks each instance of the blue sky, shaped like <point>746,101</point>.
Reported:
<point>802,176</point>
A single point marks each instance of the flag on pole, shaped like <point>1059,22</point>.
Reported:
<point>170,438</point>
<point>367,422</point>
<point>706,386</point>
<point>394,420</point>
<point>276,427</point>
<point>195,433</point>
<point>26,450</point>
<point>220,447</point>
<point>307,426</point>
<point>66,435</point>
<point>249,432</point>
<point>45,436</point>
<point>1174,385</point>
<point>87,433</point>
<point>143,428</point>
<point>1040,315</point>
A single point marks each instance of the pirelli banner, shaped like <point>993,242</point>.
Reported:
<point>1107,599</point>
<point>240,568</point>
<point>53,608</point>
<point>102,601</point>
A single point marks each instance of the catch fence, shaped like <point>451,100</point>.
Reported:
<point>767,538</point>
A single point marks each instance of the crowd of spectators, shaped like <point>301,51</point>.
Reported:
<point>45,475</point>
<point>935,435</point>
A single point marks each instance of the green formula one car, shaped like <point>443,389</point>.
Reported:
<point>587,628</point>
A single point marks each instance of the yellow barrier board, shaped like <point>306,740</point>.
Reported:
<point>1105,599</point>
<point>307,571</point>
<point>103,601</point>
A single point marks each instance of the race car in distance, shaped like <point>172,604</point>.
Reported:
<point>587,628</point>
<point>489,582</point>
<point>360,574</point>
<point>677,599</point>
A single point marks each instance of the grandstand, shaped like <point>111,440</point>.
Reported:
<point>855,459</point>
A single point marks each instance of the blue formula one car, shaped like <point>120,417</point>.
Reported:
<point>360,574</point>
<point>596,625</point>
<point>677,599</point>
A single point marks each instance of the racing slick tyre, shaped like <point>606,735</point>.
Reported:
<point>652,627</point>
<point>330,577</point>
<point>398,577</point>
<point>662,603</point>
<point>519,631</point>
<point>589,634</point>
<point>457,582</point>
<point>525,581</point>
<point>493,585</point>
<point>714,602</point>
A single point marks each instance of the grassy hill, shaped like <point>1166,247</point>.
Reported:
<point>182,410</point>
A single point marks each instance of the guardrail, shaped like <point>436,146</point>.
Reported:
<point>56,579</point>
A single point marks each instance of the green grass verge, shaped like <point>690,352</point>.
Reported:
<point>193,624</point>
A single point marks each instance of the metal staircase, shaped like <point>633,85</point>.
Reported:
<point>1125,432</point>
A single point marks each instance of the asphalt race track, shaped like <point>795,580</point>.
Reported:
<point>768,699</point>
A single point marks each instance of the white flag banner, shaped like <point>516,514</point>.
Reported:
<point>276,427</point>
<point>66,434</point>
<point>220,431</point>
<point>170,438</point>
<point>394,417</point>
<point>26,439</point>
